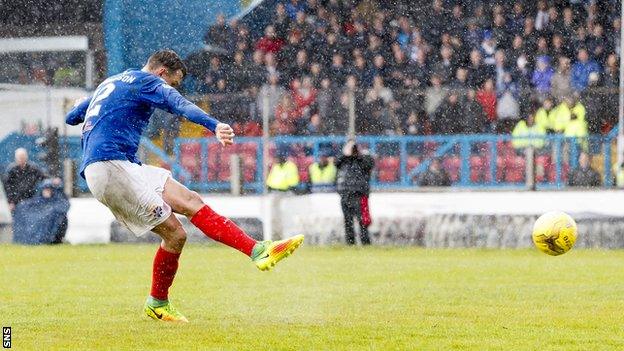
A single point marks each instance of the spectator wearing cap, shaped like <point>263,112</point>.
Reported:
<point>581,70</point>
<point>284,175</point>
<point>323,173</point>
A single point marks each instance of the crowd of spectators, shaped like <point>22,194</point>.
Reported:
<point>415,67</point>
<point>60,69</point>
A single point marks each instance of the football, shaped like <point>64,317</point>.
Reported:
<point>554,233</point>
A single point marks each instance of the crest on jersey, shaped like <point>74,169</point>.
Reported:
<point>158,212</point>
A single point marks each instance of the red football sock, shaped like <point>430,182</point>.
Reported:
<point>163,272</point>
<point>222,229</point>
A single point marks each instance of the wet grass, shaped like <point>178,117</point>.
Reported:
<point>90,297</point>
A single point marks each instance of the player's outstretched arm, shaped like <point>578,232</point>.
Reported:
<point>167,98</point>
<point>77,114</point>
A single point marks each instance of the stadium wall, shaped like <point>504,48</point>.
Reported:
<point>430,219</point>
<point>135,28</point>
<point>33,105</point>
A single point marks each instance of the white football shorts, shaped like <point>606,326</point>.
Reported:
<point>132,192</point>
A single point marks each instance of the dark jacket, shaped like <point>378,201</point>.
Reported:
<point>431,178</point>
<point>21,183</point>
<point>584,178</point>
<point>354,174</point>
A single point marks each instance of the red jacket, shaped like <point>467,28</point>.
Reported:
<point>301,101</point>
<point>488,103</point>
<point>266,44</point>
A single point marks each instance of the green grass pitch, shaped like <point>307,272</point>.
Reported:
<point>91,297</point>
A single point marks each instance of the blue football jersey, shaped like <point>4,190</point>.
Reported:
<point>119,110</point>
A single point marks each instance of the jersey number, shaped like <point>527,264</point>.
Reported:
<point>100,94</point>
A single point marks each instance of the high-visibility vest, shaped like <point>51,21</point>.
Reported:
<point>577,128</point>
<point>542,118</point>
<point>579,110</point>
<point>283,176</point>
<point>560,117</point>
<point>322,175</point>
<point>524,136</point>
<point>619,177</point>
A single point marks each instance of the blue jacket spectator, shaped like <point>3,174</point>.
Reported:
<point>542,76</point>
<point>293,7</point>
<point>581,70</point>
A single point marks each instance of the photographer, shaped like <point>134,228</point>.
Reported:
<point>353,186</point>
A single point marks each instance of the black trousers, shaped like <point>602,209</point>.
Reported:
<point>351,208</point>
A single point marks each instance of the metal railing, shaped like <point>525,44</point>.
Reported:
<point>474,161</point>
